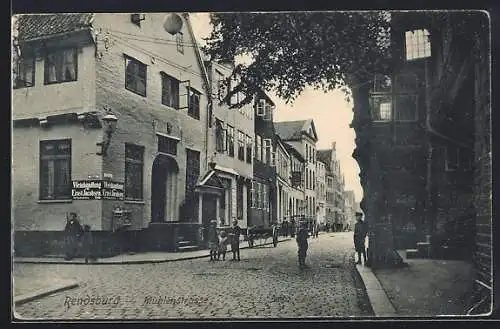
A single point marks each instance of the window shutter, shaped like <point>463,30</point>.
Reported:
<point>184,92</point>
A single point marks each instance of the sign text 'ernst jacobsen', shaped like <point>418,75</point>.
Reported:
<point>97,190</point>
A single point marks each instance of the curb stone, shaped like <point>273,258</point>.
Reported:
<point>125,262</point>
<point>64,285</point>
<point>381,305</point>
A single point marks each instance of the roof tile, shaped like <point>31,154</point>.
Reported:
<point>38,25</point>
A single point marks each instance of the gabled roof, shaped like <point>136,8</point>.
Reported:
<point>293,130</point>
<point>325,156</point>
<point>293,151</point>
<point>282,144</point>
<point>32,26</point>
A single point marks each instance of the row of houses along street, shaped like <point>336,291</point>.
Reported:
<point>120,119</point>
<point>122,122</point>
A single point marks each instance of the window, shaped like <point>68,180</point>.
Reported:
<point>137,18</point>
<point>221,85</point>
<point>257,195</point>
<point>382,84</point>
<point>134,164</point>
<point>313,181</point>
<point>381,108</point>
<point>265,201</point>
<point>249,149</point>
<point>192,170</point>
<point>261,104</point>
<point>61,66</point>
<point>241,146</point>
<point>267,151</point>
<point>25,73</point>
<point>268,112</point>
<point>135,76</point>
<point>253,193</point>
<point>179,39</point>
<point>167,145</point>
<point>220,136</point>
<point>194,104</point>
<point>239,199</point>
<point>405,108</point>
<point>418,44</point>
<point>258,147</point>
<point>230,140</point>
<point>55,169</point>
<point>169,91</point>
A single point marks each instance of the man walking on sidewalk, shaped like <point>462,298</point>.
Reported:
<point>302,235</point>
<point>235,241</point>
<point>359,237</point>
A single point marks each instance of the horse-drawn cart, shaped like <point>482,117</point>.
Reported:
<point>262,233</point>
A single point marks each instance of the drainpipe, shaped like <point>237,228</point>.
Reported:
<point>206,82</point>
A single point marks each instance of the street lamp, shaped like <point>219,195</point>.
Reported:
<point>110,121</point>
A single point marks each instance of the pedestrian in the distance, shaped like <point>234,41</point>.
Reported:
<point>88,243</point>
<point>302,235</point>
<point>235,241</point>
<point>213,239</point>
<point>73,231</point>
<point>223,241</point>
<point>360,232</point>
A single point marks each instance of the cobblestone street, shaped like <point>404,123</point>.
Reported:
<point>265,284</point>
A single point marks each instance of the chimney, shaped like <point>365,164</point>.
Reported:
<point>333,145</point>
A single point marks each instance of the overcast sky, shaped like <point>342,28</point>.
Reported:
<point>330,112</point>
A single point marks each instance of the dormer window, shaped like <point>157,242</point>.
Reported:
<point>137,18</point>
<point>418,44</point>
<point>261,103</point>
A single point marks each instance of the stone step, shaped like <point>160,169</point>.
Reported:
<point>188,248</point>
<point>412,253</point>
<point>186,242</point>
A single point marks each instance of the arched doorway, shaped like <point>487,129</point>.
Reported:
<point>163,188</point>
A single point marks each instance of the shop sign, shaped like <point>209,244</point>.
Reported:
<point>97,190</point>
<point>86,189</point>
<point>113,190</point>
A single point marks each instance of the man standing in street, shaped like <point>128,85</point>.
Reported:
<point>359,237</point>
<point>235,241</point>
<point>302,235</point>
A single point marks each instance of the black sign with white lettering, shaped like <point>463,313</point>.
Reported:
<point>97,190</point>
<point>86,189</point>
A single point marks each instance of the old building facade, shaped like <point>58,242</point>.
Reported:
<point>335,185</point>
<point>73,69</point>
<point>303,137</point>
<point>231,145</point>
<point>423,144</point>
<point>350,208</point>
<point>320,193</point>
<point>263,203</point>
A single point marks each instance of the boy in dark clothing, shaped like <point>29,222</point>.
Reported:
<point>359,237</point>
<point>235,241</point>
<point>88,242</point>
<point>73,231</point>
<point>302,235</point>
